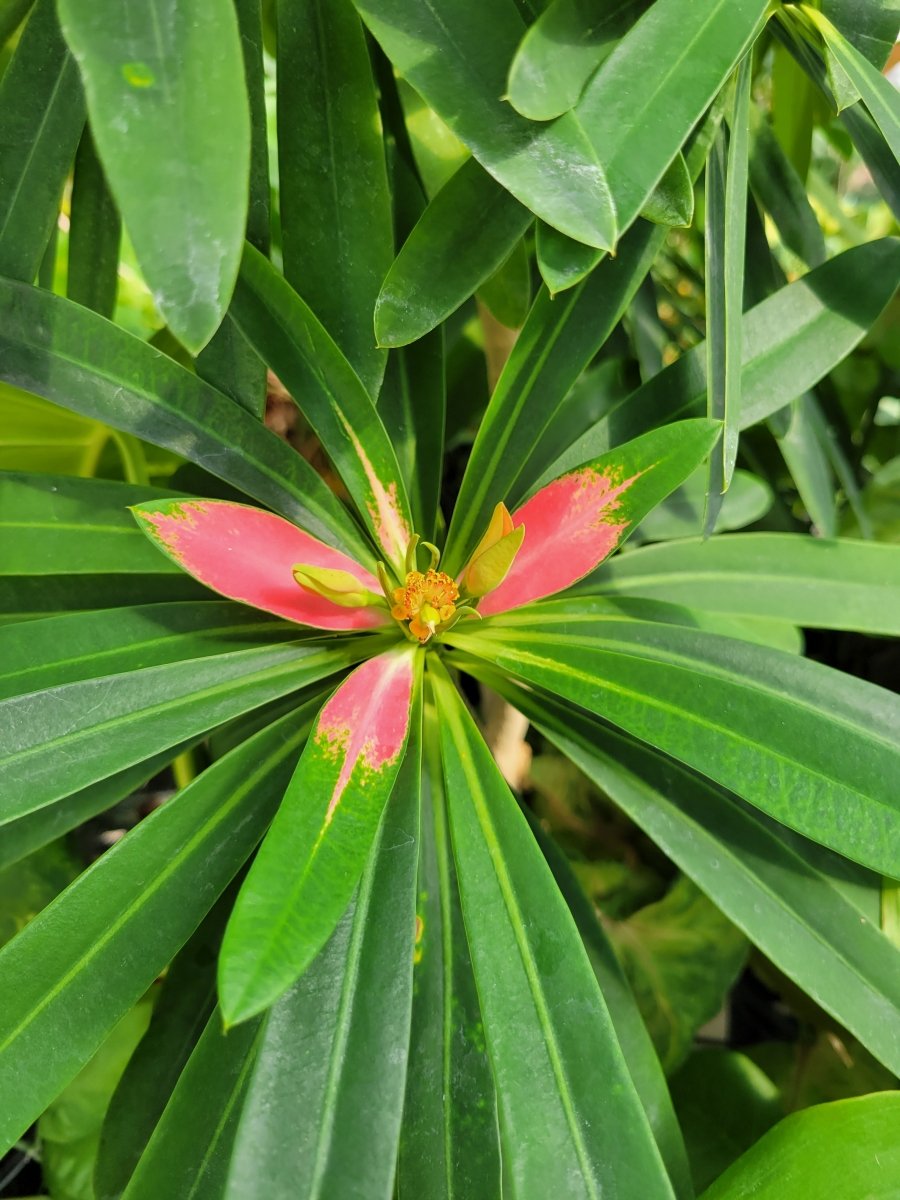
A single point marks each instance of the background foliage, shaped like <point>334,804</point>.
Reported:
<point>569,224</point>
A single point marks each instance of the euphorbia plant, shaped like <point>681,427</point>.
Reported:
<point>317,847</point>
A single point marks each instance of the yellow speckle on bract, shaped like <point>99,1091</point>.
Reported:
<point>138,75</point>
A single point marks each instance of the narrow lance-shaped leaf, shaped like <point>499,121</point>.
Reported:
<point>248,554</point>
<point>329,393</point>
<point>336,234</point>
<point>106,724</point>
<point>186,1002</point>
<point>311,861</point>
<point>59,350</point>
<point>879,95</point>
<point>562,50</point>
<point>189,1151</point>
<point>810,746</point>
<point>845,1150</point>
<point>41,118</point>
<point>693,49</point>
<point>842,584</point>
<point>449,1143</point>
<point>764,879</point>
<point>463,236</point>
<point>576,521</point>
<point>168,106</point>
<point>335,1047</point>
<point>559,339</point>
<point>548,1032</point>
<point>726,236</point>
<point>101,944</point>
<point>458,60</point>
<point>95,234</point>
<point>791,340</point>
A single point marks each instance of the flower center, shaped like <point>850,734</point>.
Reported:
<point>427,600</point>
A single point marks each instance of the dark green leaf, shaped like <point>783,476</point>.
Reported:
<point>790,341</point>
<point>562,50</point>
<point>169,114</point>
<point>95,233</point>
<point>780,191</point>
<point>808,464</point>
<point>548,1032</point>
<point>60,740</point>
<point>72,973</point>
<point>187,1002</point>
<point>335,1047</point>
<point>813,748</point>
<point>336,232</point>
<point>59,350</point>
<point>463,236</point>
<point>640,1056</point>
<point>552,168</point>
<point>189,1151</point>
<point>449,1144</point>
<point>41,118</point>
<point>287,335</point>
<point>843,584</point>
<point>636,134</point>
<point>801,918</point>
<point>845,1150</point>
<point>681,515</point>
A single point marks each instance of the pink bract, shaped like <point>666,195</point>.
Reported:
<point>570,527</point>
<point>367,718</point>
<point>247,554</point>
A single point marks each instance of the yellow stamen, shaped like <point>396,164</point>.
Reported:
<point>426,600</point>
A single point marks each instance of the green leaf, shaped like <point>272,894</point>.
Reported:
<point>871,25</point>
<point>693,50</point>
<point>681,515</point>
<point>763,881</point>
<point>462,238</point>
<point>808,464</point>
<point>68,1131</point>
<point>811,747</point>
<point>95,234</point>
<point>181,1012</point>
<point>791,340</point>
<point>458,60</point>
<point>189,1151</point>
<point>312,858</point>
<point>169,114</point>
<point>449,1143</point>
<point>672,200</point>
<point>336,234</point>
<point>41,118</point>
<point>287,335</point>
<point>726,238</point>
<point>559,339</point>
<point>845,1150</point>
<point>68,978</point>
<point>335,1047</point>
<point>60,650</point>
<point>12,13</point>
<point>61,525</point>
<point>37,829</point>
<point>782,194</point>
<point>877,92</point>
<point>548,1032</point>
<point>681,957</point>
<point>57,741</point>
<point>507,293</point>
<point>725,1103</point>
<point>640,1056</point>
<point>562,50</point>
<point>814,582</point>
<point>59,350</point>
